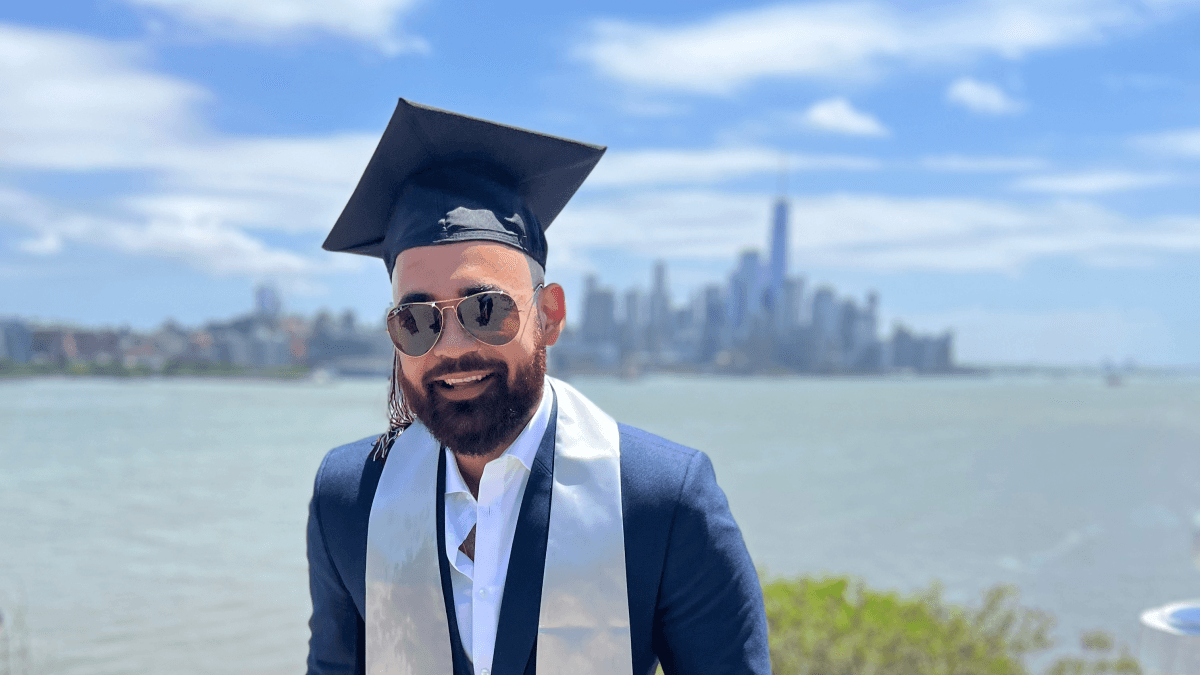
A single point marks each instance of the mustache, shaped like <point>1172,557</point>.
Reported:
<point>464,363</point>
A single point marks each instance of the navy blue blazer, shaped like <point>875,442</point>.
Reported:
<point>695,603</point>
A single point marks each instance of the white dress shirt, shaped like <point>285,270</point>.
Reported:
<point>479,585</point>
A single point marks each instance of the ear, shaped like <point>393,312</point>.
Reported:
<point>552,309</point>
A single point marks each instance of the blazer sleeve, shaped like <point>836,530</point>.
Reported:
<point>711,613</point>
<point>336,644</point>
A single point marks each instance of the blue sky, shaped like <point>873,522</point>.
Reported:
<point>1024,171</point>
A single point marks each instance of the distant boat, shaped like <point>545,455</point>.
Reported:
<point>321,376</point>
<point>1113,379</point>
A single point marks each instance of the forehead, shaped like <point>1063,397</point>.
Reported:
<point>446,270</point>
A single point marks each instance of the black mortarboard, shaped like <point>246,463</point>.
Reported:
<point>438,177</point>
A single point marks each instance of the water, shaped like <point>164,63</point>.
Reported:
<point>158,525</point>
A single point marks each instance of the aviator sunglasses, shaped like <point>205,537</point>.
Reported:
<point>489,316</point>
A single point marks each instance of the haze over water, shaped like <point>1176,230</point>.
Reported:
<point>158,525</point>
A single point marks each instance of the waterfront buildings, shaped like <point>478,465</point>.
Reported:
<point>760,319</point>
<point>263,341</point>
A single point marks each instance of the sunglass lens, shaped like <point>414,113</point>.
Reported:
<point>415,328</point>
<point>492,317</point>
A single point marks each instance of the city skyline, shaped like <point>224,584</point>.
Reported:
<point>761,319</point>
<point>771,280</point>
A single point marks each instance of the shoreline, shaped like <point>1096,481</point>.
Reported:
<point>322,376</point>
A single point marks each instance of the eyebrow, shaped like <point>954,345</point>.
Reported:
<point>479,288</point>
<point>422,296</point>
<point>416,296</point>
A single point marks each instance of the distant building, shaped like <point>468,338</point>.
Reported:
<point>777,268</point>
<point>863,349</point>
<point>633,329</point>
<point>97,346</point>
<point>54,346</point>
<point>267,303</point>
<point>744,297</point>
<point>824,343</point>
<point>660,330</point>
<point>599,314</point>
<point>16,341</point>
<point>787,310</point>
<point>919,353</point>
<point>343,347</point>
<point>712,322</point>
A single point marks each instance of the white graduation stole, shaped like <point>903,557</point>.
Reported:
<point>583,627</point>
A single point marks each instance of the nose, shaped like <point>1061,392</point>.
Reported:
<point>454,340</point>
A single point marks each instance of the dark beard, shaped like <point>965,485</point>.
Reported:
<point>476,427</point>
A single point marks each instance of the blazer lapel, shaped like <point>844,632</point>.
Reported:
<point>516,634</point>
<point>461,661</point>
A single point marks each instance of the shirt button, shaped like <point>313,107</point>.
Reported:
<point>483,592</point>
<point>485,671</point>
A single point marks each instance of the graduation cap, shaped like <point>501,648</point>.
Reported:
<point>438,177</point>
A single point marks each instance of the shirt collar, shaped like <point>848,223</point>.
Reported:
<point>454,480</point>
<point>523,449</point>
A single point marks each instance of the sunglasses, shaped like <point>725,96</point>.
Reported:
<point>489,316</point>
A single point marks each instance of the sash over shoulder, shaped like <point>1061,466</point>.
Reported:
<point>405,615</point>
<point>583,624</point>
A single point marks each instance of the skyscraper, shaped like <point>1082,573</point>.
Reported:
<point>660,309</point>
<point>267,304</point>
<point>599,314</point>
<point>633,330</point>
<point>777,269</point>
<point>744,295</point>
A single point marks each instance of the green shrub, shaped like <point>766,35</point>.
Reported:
<point>1096,644</point>
<point>837,626</point>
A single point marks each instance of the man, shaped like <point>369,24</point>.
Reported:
<point>512,526</point>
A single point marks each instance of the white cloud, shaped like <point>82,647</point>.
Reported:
<point>644,168</point>
<point>836,115</point>
<point>208,245</point>
<point>651,109</point>
<point>78,104</point>
<point>293,184</point>
<point>847,39</point>
<point>72,102</point>
<point>770,127</point>
<point>45,243</point>
<point>875,232</point>
<point>1093,182</point>
<point>981,164</point>
<point>1177,143</point>
<point>375,22</point>
<point>719,55</point>
<point>982,97</point>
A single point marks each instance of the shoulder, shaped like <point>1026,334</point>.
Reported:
<point>648,462</point>
<point>655,471</point>
<point>345,474</point>
<point>650,447</point>
<point>337,549</point>
<point>694,595</point>
<point>649,451</point>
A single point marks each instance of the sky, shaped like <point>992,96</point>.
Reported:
<point>1023,172</point>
